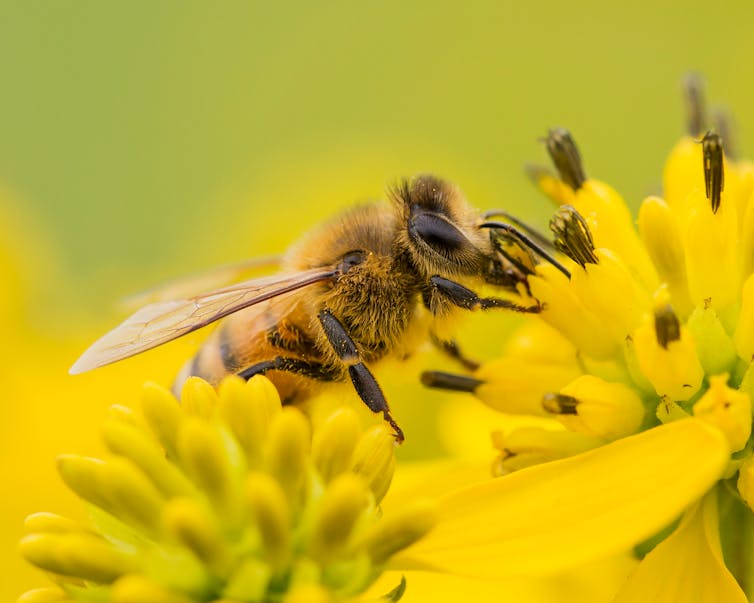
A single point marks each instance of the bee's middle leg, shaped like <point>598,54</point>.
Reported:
<point>363,381</point>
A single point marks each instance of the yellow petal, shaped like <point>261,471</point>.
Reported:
<point>374,459</point>
<point>602,409</point>
<point>207,461</point>
<point>609,291</point>
<point>747,236</point>
<point>308,593</point>
<point>137,589</point>
<point>564,311</point>
<point>594,583</point>
<point>712,253</point>
<point>744,335</point>
<point>662,238</point>
<point>674,371</point>
<point>198,398</point>
<point>134,443</point>
<point>539,342</point>
<point>272,513</point>
<point>516,385</point>
<point>287,448</point>
<point>566,513</point>
<point>432,479</point>
<point>249,582</point>
<point>248,408</point>
<point>683,174</point>
<point>343,502</point>
<point>398,530</point>
<point>687,566</point>
<point>44,595</point>
<point>334,442</point>
<point>83,555</point>
<point>191,525</point>
<point>612,226</point>
<point>531,445</point>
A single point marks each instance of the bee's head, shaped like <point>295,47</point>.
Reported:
<point>442,231</point>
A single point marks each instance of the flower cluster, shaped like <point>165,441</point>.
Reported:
<point>227,496</point>
<point>640,329</point>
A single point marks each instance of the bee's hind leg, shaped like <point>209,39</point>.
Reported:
<point>363,381</point>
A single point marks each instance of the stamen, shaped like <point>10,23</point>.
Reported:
<point>667,326</point>
<point>572,236</point>
<point>693,85</point>
<point>565,156</point>
<point>450,381</point>
<point>536,172</point>
<point>560,404</point>
<point>528,242</point>
<point>712,149</point>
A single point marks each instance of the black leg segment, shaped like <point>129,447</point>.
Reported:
<point>363,380</point>
<point>466,298</point>
<point>313,370</point>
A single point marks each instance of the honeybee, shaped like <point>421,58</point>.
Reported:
<point>370,283</point>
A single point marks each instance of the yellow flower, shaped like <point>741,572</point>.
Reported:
<point>650,380</point>
<point>227,496</point>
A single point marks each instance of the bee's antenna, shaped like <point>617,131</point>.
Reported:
<point>533,232</point>
<point>517,234</point>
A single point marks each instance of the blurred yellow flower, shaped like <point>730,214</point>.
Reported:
<point>225,496</point>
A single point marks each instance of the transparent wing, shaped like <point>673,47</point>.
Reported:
<point>161,322</point>
<point>186,286</point>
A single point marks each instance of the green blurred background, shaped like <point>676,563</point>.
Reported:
<point>144,139</point>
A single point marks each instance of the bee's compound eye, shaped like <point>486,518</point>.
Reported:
<point>437,232</point>
<point>351,259</point>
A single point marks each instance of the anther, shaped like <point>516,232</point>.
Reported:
<point>450,381</point>
<point>667,326</point>
<point>712,149</point>
<point>565,156</point>
<point>693,86</point>
<point>572,236</point>
<point>560,404</point>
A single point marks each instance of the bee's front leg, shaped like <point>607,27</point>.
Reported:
<point>464,297</point>
<point>361,377</point>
